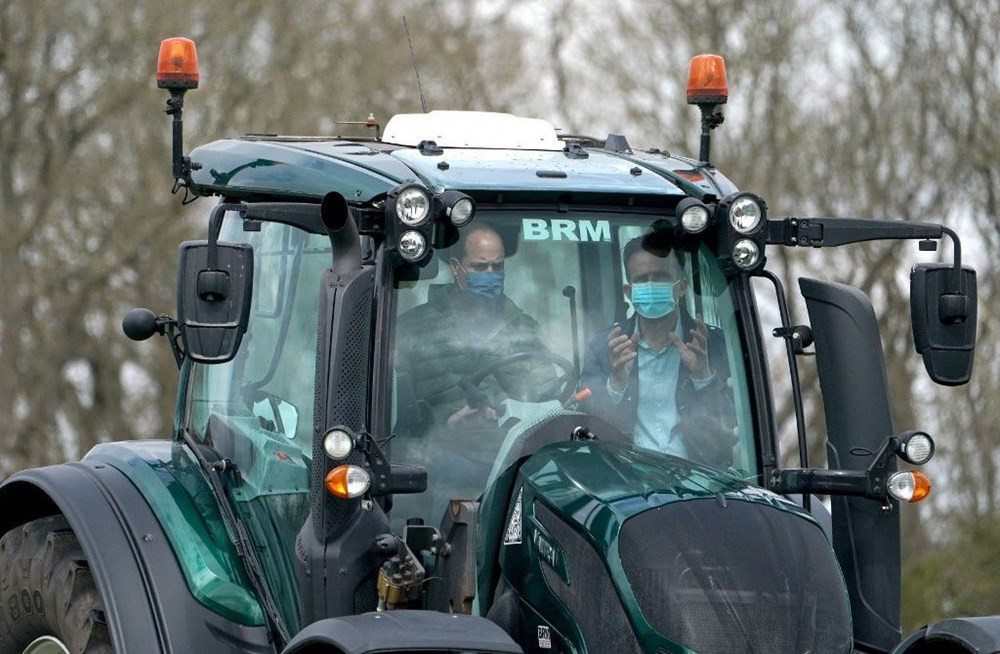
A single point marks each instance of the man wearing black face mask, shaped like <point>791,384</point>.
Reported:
<point>464,327</point>
<point>661,376</point>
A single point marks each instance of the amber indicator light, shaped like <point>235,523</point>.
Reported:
<point>922,487</point>
<point>336,482</point>
<point>177,65</point>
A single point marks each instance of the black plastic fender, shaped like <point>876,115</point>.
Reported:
<point>973,635</point>
<point>147,602</point>
<point>402,631</point>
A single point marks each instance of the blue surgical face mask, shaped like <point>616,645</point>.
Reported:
<point>487,285</point>
<point>653,299</point>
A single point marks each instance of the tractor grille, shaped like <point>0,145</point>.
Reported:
<point>592,598</point>
<point>736,577</point>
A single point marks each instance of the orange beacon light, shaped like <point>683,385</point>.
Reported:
<point>707,83</point>
<point>177,65</point>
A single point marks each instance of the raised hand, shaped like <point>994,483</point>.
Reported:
<point>623,354</point>
<point>694,353</point>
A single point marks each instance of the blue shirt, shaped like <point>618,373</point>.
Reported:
<point>656,411</point>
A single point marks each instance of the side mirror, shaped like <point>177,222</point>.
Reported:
<point>214,286</point>
<point>943,313</point>
<point>275,414</point>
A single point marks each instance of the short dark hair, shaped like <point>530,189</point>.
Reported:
<point>655,246</point>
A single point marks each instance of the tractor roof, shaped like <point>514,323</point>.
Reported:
<point>479,153</point>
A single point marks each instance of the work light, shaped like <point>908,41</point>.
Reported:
<point>338,443</point>
<point>693,214</point>
<point>412,245</point>
<point>413,206</point>
<point>745,214</point>
<point>461,212</point>
<point>916,448</point>
<point>746,253</point>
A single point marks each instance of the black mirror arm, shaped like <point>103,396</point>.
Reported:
<point>871,483</point>
<point>215,228</point>
<point>957,283</point>
<point>213,284</point>
<point>168,327</point>
<point>389,478</point>
<point>832,232</point>
<point>825,232</point>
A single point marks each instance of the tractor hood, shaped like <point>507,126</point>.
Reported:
<point>627,550</point>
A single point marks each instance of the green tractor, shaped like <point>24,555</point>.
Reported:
<point>468,384</point>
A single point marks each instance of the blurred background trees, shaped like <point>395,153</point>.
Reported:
<point>847,108</point>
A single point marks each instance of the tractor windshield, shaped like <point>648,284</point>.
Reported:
<point>535,314</point>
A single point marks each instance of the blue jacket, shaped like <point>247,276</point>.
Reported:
<point>706,416</point>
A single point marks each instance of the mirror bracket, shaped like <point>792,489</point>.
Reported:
<point>213,285</point>
<point>871,483</point>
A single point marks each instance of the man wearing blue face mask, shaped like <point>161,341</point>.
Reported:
<point>464,327</point>
<point>661,376</point>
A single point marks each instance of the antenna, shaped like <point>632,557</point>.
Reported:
<point>406,28</point>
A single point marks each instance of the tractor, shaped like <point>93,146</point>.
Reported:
<point>422,407</point>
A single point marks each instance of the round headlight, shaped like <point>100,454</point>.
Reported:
<point>412,245</point>
<point>745,214</point>
<point>338,444</point>
<point>348,481</point>
<point>909,486</point>
<point>413,206</point>
<point>746,253</point>
<point>917,448</point>
<point>461,212</point>
<point>694,219</point>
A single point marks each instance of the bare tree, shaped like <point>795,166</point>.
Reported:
<point>848,109</point>
<point>89,226</point>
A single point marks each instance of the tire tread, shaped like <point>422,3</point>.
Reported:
<point>43,560</point>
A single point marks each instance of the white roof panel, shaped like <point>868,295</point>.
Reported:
<point>472,129</point>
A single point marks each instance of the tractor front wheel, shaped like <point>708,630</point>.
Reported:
<point>50,603</point>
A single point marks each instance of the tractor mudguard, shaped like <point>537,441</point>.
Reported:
<point>974,635</point>
<point>403,631</point>
<point>148,604</point>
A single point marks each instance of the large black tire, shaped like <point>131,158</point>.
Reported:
<point>47,589</point>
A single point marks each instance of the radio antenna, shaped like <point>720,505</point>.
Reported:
<point>406,28</point>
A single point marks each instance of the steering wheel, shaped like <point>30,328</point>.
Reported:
<point>561,388</point>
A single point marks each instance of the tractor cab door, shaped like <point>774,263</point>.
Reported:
<point>257,409</point>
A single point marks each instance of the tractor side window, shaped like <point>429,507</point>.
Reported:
<point>271,379</point>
